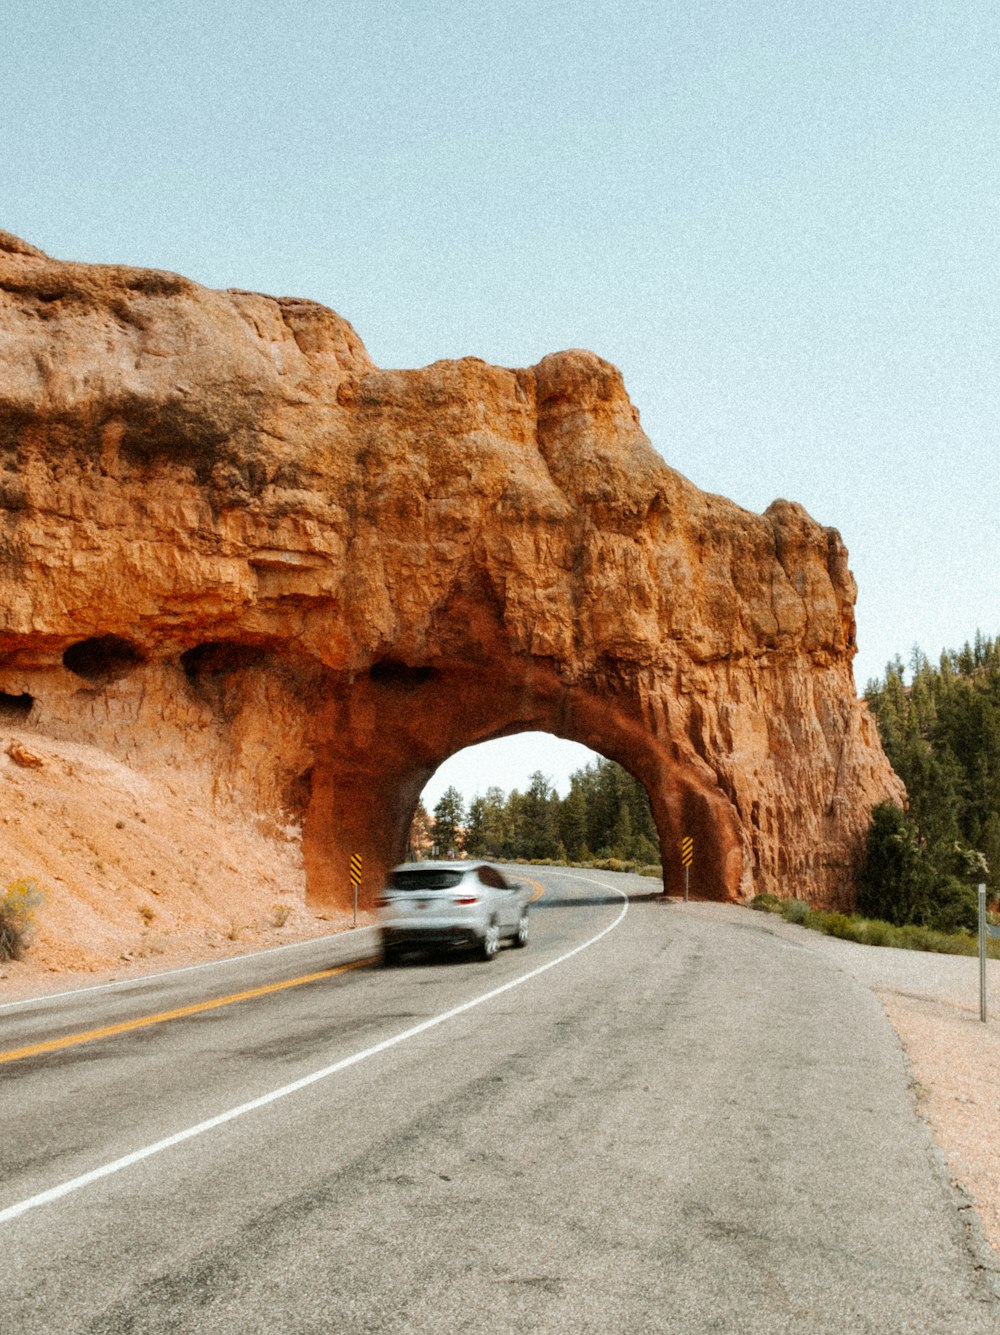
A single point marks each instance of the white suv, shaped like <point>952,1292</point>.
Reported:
<point>427,905</point>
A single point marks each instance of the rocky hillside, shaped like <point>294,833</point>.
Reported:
<point>135,873</point>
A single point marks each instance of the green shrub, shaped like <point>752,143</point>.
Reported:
<point>838,924</point>
<point>877,932</point>
<point>912,936</point>
<point>874,932</point>
<point>17,912</point>
<point>766,903</point>
<point>21,898</point>
<point>956,906</point>
<point>795,910</point>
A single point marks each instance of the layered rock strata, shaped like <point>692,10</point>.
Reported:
<point>230,544</point>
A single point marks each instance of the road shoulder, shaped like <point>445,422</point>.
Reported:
<point>932,1003</point>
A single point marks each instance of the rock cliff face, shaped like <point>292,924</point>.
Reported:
<point>231,545</point>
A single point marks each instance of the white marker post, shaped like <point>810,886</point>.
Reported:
<point>982,953</point>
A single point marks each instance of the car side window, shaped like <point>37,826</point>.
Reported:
<point>490,876</point>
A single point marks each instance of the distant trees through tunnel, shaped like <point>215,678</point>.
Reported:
<point>605,813</point>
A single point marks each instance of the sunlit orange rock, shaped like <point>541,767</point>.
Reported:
<point>231,545</point>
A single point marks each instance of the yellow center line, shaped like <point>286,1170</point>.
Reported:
<point>539,890</point>
<point>143,1022</point>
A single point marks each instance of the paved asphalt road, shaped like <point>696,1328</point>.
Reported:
<point>690,1125</point>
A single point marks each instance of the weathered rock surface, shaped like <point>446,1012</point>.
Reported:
<point>232,546</point>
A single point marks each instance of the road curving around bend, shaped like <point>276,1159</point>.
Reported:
<point>105,1170</point>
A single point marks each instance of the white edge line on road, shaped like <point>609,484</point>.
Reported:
<point>230,1115</point>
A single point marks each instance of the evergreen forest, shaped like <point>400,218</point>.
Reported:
<point>605,814</point>
<point>942,736</point>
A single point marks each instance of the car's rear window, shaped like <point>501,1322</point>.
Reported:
<point>425,880</point>
<point>490,876</point>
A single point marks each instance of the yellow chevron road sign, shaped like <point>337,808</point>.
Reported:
<point>687,857</point>
<point>355,881</point>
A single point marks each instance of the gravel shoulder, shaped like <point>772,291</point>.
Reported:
<point>932,1002</point>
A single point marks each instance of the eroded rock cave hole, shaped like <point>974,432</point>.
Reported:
<point>15,708</point>
<point>216,672</point>
<point>102,659</point>
<point>400,676</point>
<point>217,658</point>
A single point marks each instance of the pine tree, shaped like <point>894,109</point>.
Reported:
<point>449,816</point>
<point>476,842</point>
<point>573,822</point>
<point>539,833</point>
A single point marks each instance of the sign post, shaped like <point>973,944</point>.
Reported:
<point>982,953</point>
<point>355,881</point>
<point>687,857</point>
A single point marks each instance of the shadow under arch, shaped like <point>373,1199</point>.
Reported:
<point>382,733</point>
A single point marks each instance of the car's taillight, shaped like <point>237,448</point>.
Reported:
<point>382,902</point>
<point>467,899</point>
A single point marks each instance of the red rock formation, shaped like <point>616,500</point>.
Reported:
<point>229,543</point>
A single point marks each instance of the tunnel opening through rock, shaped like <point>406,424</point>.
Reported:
<point>376,747</point>
<point>536,796</point>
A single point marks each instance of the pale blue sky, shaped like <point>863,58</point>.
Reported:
<point>779,219</point>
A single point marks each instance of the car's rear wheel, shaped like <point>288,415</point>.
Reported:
<point>490,943</point>
<point>391,955</point>
<point>521,935</point>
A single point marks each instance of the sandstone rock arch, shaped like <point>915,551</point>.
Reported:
<point>230,543</point>
<point>401,729</point>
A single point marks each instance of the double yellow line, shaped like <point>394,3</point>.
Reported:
<point>144,1021</point>
<point>198,1008</point>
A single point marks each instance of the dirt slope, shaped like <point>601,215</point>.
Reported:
<point>135,872</point>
